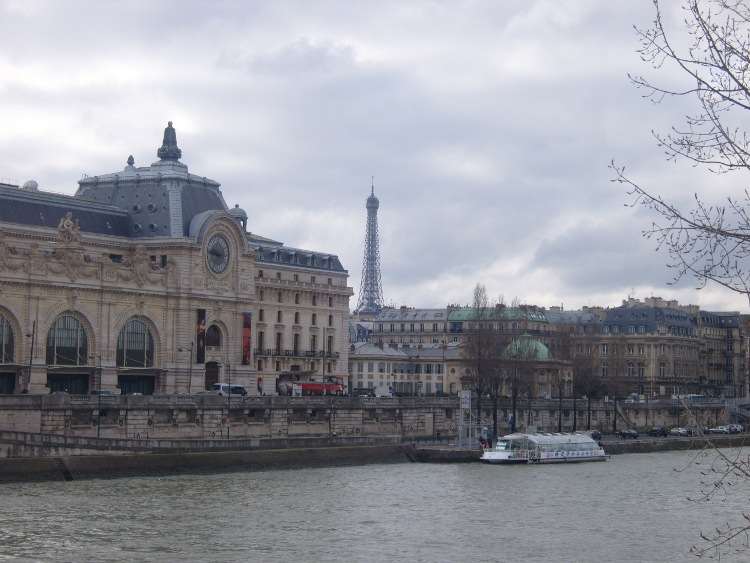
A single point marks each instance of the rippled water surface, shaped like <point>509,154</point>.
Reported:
<point>630,508</point>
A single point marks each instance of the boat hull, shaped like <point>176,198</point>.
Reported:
<point>492,457</point>
<point>579,457</point>
<point>489,457</point>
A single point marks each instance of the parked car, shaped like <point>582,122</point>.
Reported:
<point>719,430</point>
<point>678,431</point>
<point>595,434</point>
<point>735,428</point>
<point>658,431</point>
<point>107,392</point>
<point>224,389</point>
<point>625,434</point>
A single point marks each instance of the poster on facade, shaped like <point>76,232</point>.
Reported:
<point>200,337</point>
<point>465,398</point>
<point>247,341</point>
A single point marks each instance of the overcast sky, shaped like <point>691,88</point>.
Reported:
<point>488,127</point>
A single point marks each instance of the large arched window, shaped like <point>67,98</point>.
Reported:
<point>135,346</point>
<point>6,341</point>
<point>67,344</point>
<point>213,336</point>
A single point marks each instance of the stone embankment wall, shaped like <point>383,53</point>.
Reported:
<point>153,464</point>
<point>672,443</point>
<point>82,424</point>
<point>64,425</point>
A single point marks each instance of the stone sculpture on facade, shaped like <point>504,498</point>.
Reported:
<point>6,256</point>
<point>140,267</point>
<point>68,230</point>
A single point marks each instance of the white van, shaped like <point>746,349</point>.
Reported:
<point>224,389</point>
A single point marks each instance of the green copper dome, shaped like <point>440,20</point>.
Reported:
<point>526,347</point>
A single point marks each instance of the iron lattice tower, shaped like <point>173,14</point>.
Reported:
<point>370,290</point>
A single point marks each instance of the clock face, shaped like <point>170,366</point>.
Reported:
<point>217,254</point>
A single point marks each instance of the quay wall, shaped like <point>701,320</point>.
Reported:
<point>78,436</point>
<point>75,467</point>
<point>612,446</point>
<point>80,424</point>
<point>672,443</point>
<point>208,417</point>
<point>155,464</point>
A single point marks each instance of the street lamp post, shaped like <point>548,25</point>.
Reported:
<point>229,396</point>
<point>190,364</point>
<point>529,420</point>
<point>445,370</point>
<point>31,335</point>
<point>99,408</point>
<point>99,412</point>
<point>614,417</point>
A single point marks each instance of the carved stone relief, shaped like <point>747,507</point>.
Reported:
<point>140,268</point>
<point>70,260</point>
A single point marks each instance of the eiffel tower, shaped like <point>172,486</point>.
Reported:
<point>370,290</point>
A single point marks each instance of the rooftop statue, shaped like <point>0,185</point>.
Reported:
<point>169,149</point>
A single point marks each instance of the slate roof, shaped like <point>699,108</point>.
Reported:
<point>44,209</point>
<point>426,352</point>
<point>505,313</point>
<point>276,253</point>
<point>160,200</point>
<point>722,320</point>
<point>572,317</point>
<point>406,315</point>
<point>676,320</point>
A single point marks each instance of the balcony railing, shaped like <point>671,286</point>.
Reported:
<point>297,353</point>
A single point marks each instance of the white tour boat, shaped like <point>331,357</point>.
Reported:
<point>544,448</point>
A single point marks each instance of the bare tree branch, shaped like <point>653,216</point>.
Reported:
<point>710,243</point>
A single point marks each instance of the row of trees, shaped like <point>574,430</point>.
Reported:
<point>501,353</point>
<point>491,372</point>
<point>503,360</point>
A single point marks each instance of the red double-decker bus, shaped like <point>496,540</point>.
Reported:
<point>330,385</point>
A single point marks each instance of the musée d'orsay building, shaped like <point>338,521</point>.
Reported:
<point>145,281</point>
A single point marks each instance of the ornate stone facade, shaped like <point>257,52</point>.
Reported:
<point>146,282</point>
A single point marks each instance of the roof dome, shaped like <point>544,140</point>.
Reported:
<point>239,215</point>
<point>31,185</point>
<point>527,348</point>
<point>238,212</point>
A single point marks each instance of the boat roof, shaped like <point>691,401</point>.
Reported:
<point>550,438</point>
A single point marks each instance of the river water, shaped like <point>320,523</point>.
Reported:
<point>633,507</point>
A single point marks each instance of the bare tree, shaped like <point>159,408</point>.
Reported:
<point>502,336</point>
<point>723,471</point>
<point>480,344</point>
<point>580,351</point>
<point>709,242</point>
<point>518,360</point>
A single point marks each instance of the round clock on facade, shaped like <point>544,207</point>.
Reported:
<point>217,254</point>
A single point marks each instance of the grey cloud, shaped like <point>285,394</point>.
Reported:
<point>489,128</point>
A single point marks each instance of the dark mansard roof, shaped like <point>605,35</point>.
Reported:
<point>149,202</point>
